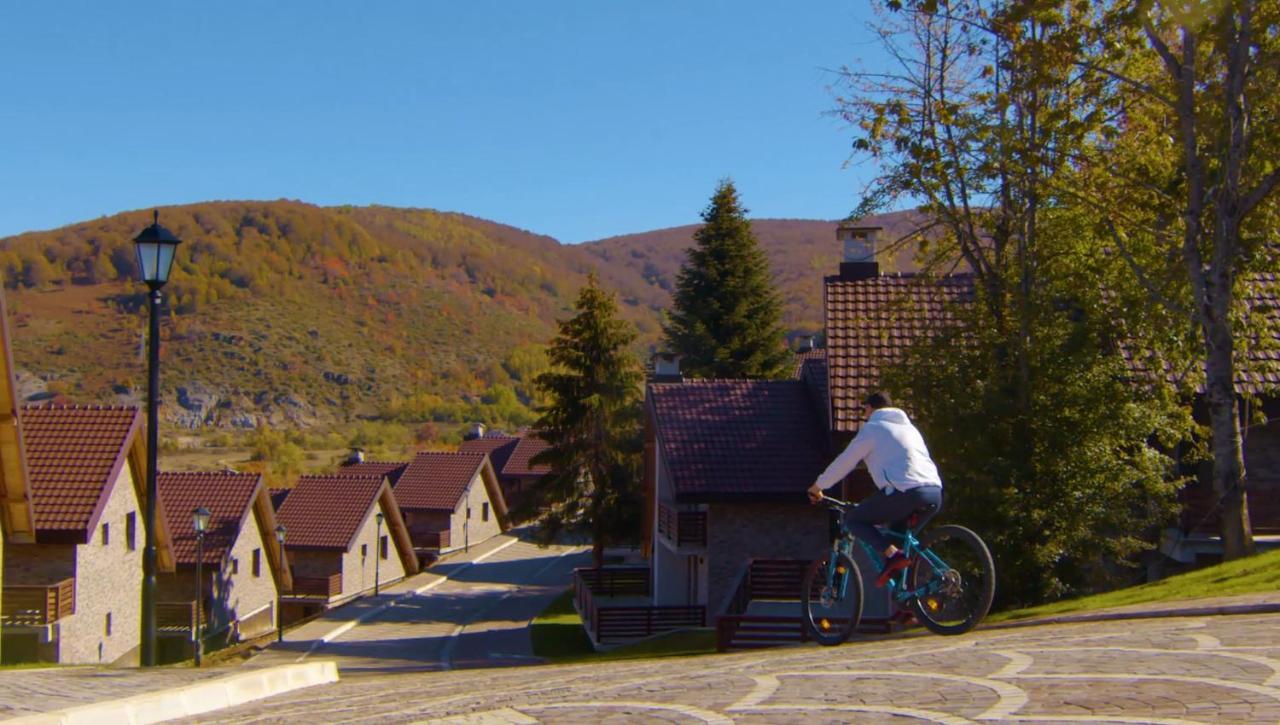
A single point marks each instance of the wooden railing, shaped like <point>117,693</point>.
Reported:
<point>773,580</point>
<point>682,527</point>
<point>37,604</point>
<point>179,615</point>
<point>317,586</point>
<point>611,623</point>
<point>435,539</point>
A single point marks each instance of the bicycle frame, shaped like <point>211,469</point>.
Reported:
<point>910,546</point>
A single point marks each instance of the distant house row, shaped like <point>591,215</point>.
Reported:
<point>72,552</point>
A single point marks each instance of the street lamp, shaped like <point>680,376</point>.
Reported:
<point>280,582</point>
<point>200,521</point>
<point>377,551</point>
<point>156,247</point>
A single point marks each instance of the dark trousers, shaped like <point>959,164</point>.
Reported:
<point>892,510</point>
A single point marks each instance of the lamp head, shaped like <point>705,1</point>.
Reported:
<point>156,247</point>
<point>200,519</point>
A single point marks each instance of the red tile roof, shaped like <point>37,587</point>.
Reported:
<point>1260,372</point>
<point>518,464</point>
<point>227,496</point>
<point>390,469</point>
<point>499,446</point>
<point>437,480</point>
<point>738,439</point>
<point>870,324</point>
<point>74,454</point>
<point>325,512</point>
<point>805,356</point>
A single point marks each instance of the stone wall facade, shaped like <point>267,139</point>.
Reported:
<point>358,563</point>
<point>108,620</point>
<point>241,591</point>
<point>737,533</point>
<point>474,520</point>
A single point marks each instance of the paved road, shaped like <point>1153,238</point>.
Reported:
<point>1208,669</point>
<point>477,617</point>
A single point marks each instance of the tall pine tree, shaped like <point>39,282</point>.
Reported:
<point>727,317</point>
<point>592,425</point>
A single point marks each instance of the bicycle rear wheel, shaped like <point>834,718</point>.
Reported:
<point>960,591</point>
<point>832,598</point>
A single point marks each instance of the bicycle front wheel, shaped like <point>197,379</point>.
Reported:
<point>831,598</point>
<point>959,580</point>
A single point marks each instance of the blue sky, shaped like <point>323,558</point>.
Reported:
<point>576,119</point>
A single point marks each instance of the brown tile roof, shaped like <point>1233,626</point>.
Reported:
<point>325,512</point>
<point>738,439</point>
<point>227,496</point>
<point>870,324</point>
<point>499,446</point>
<point>805,356</point>
<point>437,480</point>
<point>518,464</point>
<point>390,469</point>
<point>74,454</point>
<point>1260,372</point>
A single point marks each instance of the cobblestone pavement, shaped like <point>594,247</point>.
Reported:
<point>478,617</point>
<point>1181,670</point>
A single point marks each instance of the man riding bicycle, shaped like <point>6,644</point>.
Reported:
<point>900,465</point>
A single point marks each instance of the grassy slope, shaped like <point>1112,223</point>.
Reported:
<point>1257,574</point>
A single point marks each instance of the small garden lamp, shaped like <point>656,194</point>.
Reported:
<point>199,521</point>
<point>279,595</point>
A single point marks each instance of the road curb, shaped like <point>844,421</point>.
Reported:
<point>194,699</point>
<point>1201,611</point>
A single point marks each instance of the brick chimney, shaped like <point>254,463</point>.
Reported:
<point>806,343</point>
<point>666,368</point>
<point>477,431</point>
<point>357,456</point>
<point>859,261</point>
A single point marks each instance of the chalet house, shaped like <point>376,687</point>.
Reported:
<point>450,500</point>
<point>241,568</point>
<point>73,594</point>
<point>511,456</point>
<point>335,542</point>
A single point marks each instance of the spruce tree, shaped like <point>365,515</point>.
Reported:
<point>727,318</point>
<point>591,425</point>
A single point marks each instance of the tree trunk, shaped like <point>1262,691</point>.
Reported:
<point>1228,456</point>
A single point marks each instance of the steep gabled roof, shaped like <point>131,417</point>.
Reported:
<point>737,439</point>
<point>227,496</point>
<point>234,500</point>
<point>437,480</point>
<point>390,469</point>
<point>499,446</point>
<point>74,454</point>
<point>872,322</point>
<point>325,512</point>
<point>518,464</point>
<point>1260,374</point>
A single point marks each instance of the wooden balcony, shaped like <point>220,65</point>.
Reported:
<point>434,539</point>
<point>318,586</point>
<point>682,528</point>
<point>179,616</point>
<point>37,604</point>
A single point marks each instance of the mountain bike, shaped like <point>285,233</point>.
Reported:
<point>948,586</point>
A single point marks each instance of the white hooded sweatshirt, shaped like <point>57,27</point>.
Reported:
<point>894,451</point>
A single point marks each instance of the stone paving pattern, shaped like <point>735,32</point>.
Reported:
<point>1177,670</point>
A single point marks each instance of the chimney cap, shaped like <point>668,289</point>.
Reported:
<point>855,229</point>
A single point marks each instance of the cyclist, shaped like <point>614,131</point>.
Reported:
<point>900,465</point>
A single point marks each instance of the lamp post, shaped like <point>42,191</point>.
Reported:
<point>280,581</point>
<point>200,521</point>
<point>377,551</point>
<point>156,247</point>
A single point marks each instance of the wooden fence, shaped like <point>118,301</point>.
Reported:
<point>318,586</point>
<point>37,604</point>
<point>609,623</point>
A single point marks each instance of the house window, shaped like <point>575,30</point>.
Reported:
<point>382,547</point>
<point>257,562</point>
<point>106,534</point>
<point>235,566</point>
<point>468,512</point>
<point>108,627</point>
<point>484,511</point>
<point>364,551</point>
<point>131,531</point>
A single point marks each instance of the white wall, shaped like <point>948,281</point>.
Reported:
<point>357,571</point>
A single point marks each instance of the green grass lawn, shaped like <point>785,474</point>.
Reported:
<point>1256,574</point>
<point>558,636</point>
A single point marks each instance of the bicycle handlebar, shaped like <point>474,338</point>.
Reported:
<point>835,502</point>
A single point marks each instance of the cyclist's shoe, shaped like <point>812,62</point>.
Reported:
<point>895,564</point>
